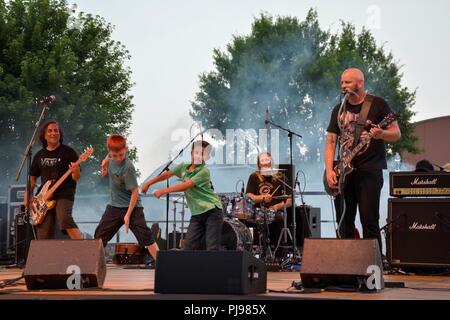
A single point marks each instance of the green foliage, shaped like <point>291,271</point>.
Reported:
<point>294,68</point>
<point>46,48</point>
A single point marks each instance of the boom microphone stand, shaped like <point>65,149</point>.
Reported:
<point>166,168</point>
<point>27,157</point>
<point>291,134</point>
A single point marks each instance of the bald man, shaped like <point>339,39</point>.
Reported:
<point>363,186</point>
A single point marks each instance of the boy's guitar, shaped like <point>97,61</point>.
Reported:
<point>41,203</point>
<point>344,167</point>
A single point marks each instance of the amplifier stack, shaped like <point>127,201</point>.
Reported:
<point>419,219</point>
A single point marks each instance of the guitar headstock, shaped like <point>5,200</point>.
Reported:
<point>391,117</point>
<point>86,154</point>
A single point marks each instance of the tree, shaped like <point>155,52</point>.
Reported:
<point>293,68</point>
<point>46,48</point>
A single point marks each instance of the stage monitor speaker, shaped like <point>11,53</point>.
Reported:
<point>312,217</point>
<point>209,272</point>
<point>419,232</point>
<point>340,262</point>
<point>51,262</point>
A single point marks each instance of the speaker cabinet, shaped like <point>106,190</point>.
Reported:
<point>51,262</point>
<point>209,272</point>
<point>334,262</point>
<point>419,232</point>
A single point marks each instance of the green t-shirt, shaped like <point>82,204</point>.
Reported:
<point>200,198</point>
<point>122,180</point>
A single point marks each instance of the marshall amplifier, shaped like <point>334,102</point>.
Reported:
<point>15,201</point>
<point>419,232</point>
<point>16,193</point>
<point>419,184</point>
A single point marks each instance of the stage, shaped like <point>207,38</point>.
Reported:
<point>130,282</point>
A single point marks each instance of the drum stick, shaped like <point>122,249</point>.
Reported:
<point>275,190</point>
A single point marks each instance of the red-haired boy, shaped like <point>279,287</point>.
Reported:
<point>125,206</point>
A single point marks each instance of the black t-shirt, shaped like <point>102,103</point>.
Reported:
<point>51,165</point>
<point>374,156</point>
<point>267,184</point>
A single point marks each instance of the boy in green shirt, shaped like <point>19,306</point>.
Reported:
<point>206,222</point>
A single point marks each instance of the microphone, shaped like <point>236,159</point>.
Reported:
<point>49,99</point>
<point>266,121</point>
<point>349,91</point>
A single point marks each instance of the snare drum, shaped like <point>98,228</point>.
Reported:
<point>243,208</point>
<point>268,213</point>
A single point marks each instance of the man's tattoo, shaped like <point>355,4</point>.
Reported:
<point>331,139</point>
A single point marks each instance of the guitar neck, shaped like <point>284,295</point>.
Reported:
<point>80,160</point>
<point>52,190</point>
<point>383,124</point>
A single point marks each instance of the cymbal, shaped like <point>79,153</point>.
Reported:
<point>272,170</point>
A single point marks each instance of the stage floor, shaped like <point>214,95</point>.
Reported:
<point>124,283</point>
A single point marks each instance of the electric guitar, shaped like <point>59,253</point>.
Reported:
<point>42,203</point>
<point>344,166</point>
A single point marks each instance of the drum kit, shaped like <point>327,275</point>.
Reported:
<point>246,226</point>
<point>242,217</point>
<point>239,212</point>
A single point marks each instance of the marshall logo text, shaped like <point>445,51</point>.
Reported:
<point>424,182</point>
<point>421,226</point>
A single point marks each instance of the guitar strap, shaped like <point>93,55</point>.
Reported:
<point>57,169</point>
<point>362,119</point>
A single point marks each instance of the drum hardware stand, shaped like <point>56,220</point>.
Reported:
<point>285,232</point>
<point>182,213</point>
<point>294,257</point>
<point>174,225</point>
<point>291,135</point>
<point>263,232</point>
<point>182,218</point>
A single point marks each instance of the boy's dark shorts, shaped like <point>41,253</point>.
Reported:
<point>112,221</point>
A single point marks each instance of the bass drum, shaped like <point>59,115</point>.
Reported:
<point>236,236</point>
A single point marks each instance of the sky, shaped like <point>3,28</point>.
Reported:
<point>171,44</point>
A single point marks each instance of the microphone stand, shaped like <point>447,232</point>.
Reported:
<point>297,183</point>
<point>27,157</point>
<point>291,134</point>
<point>166,168</point>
